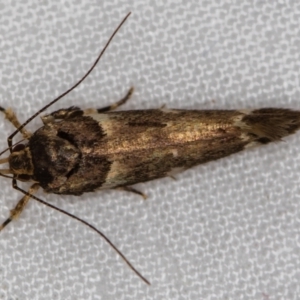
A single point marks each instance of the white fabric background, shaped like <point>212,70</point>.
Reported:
<point>225,230</point>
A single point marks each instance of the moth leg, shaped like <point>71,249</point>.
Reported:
<point>61,114</point>
<point>117,104</point>
<point>73,110</point>
<point>14,213</point>
<point>132,190</point>
<point>12,118</point>
<point>110,107</point>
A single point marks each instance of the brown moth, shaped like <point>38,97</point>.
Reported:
<point>78,151</point>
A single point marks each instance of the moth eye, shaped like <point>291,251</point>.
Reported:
<point>18,148</point>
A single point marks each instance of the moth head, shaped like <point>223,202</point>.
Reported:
<point>20,162</point>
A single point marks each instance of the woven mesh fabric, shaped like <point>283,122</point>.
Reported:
<point>225,230</point>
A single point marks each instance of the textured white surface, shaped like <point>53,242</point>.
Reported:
<point>225,230</point>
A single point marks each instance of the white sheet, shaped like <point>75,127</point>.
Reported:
<point>225,230</point>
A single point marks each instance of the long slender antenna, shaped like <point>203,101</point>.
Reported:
<point>9,140</point>
<point>87,224</point>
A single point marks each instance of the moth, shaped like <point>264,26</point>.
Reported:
<point>78,151</point>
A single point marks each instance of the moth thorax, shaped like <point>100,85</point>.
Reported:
<point>20,162</point>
